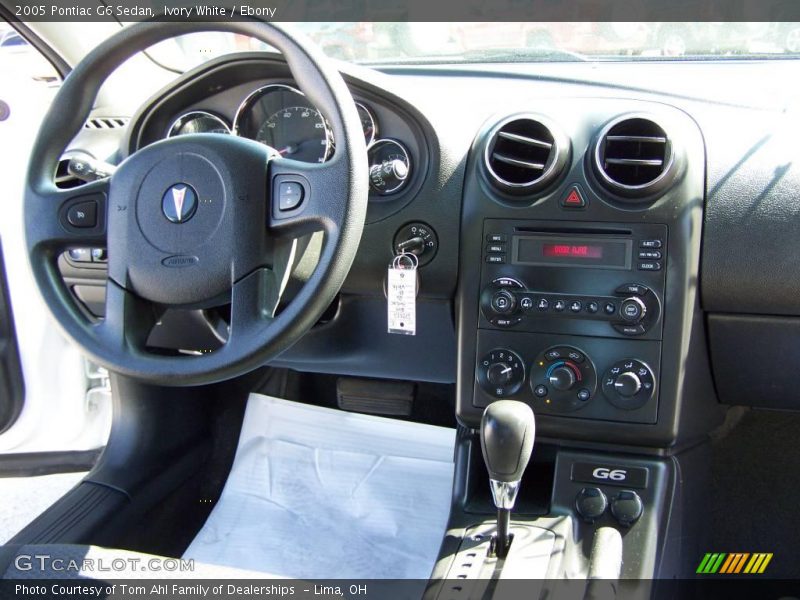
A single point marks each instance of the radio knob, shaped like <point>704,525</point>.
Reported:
<point>627,384</point>
<point>562,378</point>
<point>633,310</point>
<point>503,302</point>
<point>499,373</point>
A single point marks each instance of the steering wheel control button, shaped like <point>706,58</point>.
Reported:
<point>629,384</point>
<point>501,373</point>
<point>627,507</point>
<point>591,504</point>
<point>563,379</point>
<point>179,203</point>
<point>290,195</point>
<point>573,198</point>
<point>83,214</point>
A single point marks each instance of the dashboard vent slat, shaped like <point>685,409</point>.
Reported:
<point>633,157</point>
<point>518,163</point>
<point>524,154</point>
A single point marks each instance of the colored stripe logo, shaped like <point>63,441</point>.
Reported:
<point>734,563</point>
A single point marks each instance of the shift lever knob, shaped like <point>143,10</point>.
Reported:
<point>507,432</point>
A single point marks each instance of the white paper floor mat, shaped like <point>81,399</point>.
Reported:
<point>316,493</point>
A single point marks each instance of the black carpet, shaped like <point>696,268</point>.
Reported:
<point>756,490</point>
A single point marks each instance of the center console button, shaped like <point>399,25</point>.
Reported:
<point>591,503</point>
<point>632,289</point>
<point>553,354</point>
<point>540,391</point>
<point>575,306</point>
<point>584,395</point>
<point>629,329</point>
<point>592,307</point>
<point>503,302</point>
<point>575,356</point>
<point>526,303</point>
<point>633,310</point>
<point>609,308</point>
<point>562,378</point>
<point>543,304</point>
<point>627,507</point>
<point>560,305</point>
<point>496,238</point>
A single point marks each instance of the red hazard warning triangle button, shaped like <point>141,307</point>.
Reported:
<point>573,198</point>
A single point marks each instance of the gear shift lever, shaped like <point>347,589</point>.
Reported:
<point>507,433</point>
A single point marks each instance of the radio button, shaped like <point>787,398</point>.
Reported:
<point>575,306</point>
<point>505,322</point>
<point>508,282</point>
<point>501,248</point>
<point>632,288</point>
<point>649,255</point>
<point>609,308</point>
<point>497,238</point>
<point>633,310</point>
<point>543,304</point>
<point>497,259</point>
<point>650,244</point>
<point>526,303</point>
<point>650,266</point>
<point>560,305</point>
<point>629,329</point>
<point>503,302</point>
<point>592,307</point>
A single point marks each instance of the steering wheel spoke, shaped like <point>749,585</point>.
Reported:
<point>128,319</point>
<point>57,219</point>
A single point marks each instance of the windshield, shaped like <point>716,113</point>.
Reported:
<point>379,42</point>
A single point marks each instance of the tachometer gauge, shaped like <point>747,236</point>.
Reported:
<point>281,117</point>
<point>389,166</point>
<point>368,123</point>
<point>198,121</point>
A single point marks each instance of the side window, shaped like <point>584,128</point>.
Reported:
<point>21,61</point>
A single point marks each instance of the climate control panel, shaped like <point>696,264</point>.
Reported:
<point>596,379</point>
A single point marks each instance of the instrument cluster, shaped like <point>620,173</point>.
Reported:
<point>281,116</point>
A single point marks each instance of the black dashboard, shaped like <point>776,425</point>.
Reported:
<point>592,229</point>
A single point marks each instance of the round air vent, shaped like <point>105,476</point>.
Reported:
<point>524,155</point>
<point>633,157</point>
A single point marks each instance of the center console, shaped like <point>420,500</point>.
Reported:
<point>580,243</point>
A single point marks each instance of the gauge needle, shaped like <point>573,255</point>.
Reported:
<point>285,151</point>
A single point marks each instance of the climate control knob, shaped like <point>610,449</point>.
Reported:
<point>562,378</point>
<point>501,373</point>
<point>627,384</point>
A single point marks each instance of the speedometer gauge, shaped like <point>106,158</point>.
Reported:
<point>368,123</point>
<point>198,121</point>
<point>281,117</point>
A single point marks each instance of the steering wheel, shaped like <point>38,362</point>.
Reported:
<point>197,221</point>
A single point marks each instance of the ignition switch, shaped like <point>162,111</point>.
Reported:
<point>418,239</point>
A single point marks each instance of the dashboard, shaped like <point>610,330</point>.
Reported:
<point>588,231</point>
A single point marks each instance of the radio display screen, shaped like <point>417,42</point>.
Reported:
<point>608,253</point>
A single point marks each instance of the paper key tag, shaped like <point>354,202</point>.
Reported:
<point>401,292</point>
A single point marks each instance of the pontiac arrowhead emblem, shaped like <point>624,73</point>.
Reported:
<point>179,203</point>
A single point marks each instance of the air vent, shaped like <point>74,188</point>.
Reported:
<point>633,157</point>
<point>524,155</point>
<point>106,123</point>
